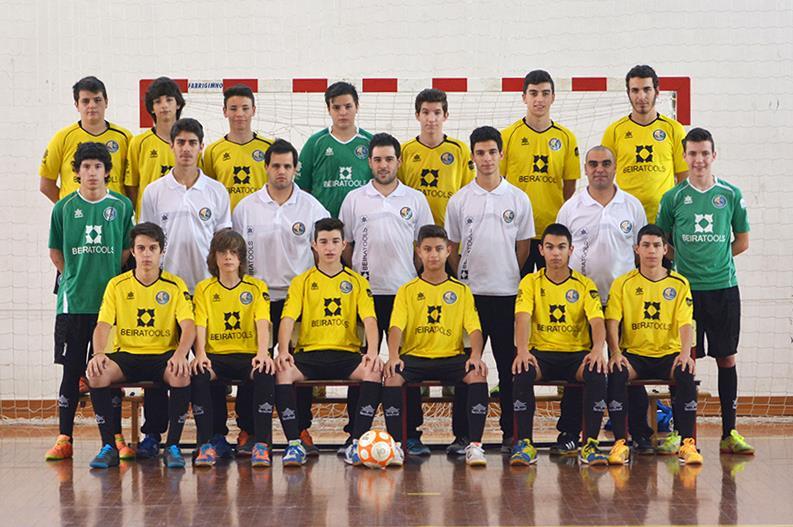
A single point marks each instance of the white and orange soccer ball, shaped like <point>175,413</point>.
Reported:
<point>376,449</point>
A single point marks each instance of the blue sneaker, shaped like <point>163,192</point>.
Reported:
<point>207,456</point>
<point>295,454</point>
<point>351,454</point>
<point>523,453</point>
<point>172,457</point>
<point>106,458</point>
<point>223,448</point>
<point>416,448</point>
<point>591,455</point>
<point>150,447</point>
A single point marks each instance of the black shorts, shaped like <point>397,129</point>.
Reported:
<point>138,367</point>
<point>718,318</point>
<point>448,370</point>
<point>232,366</point>
<point>559,365</point>
<point>276,308</point>
<point>651,367</point>
<point>73,339</point>
<point>327,365</point>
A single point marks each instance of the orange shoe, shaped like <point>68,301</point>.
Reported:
<point>308,443</point>
<point>61,450</point>
<point>688,454</point>
<point>84,388</point>
<point>125,451</point>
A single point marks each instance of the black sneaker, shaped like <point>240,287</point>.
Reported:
<point>566,445</point>
<point>506,444</point>
<point>643,446</point>
<point>457,448</point>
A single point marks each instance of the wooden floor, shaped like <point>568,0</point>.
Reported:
<point>431,491</point>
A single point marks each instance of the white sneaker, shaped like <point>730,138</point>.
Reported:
<point>475,455</point>
<point>399,456</point>
<point>351,454</point>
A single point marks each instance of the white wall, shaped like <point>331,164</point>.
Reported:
<point>739,56</point>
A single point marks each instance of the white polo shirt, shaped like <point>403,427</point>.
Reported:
<point>487,225</point>
<point>384,229</point>
<point>278,236</point>
<point>603,237</point>
<point>189,217</point>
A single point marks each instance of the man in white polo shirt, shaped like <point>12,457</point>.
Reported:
<point>604,221</point>
<point>277,223</point>
<point>490,224</point>
<point>381,223</point>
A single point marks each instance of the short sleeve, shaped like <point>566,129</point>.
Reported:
<point>132,172</point>
<point>685,308</point>
<point>52,159</point>
<point>526,226</point>
<point>261,307</point>
<point>365,300</point>
<point>452,220</point>
<point>471,320</point>
<point>424,214</point>
<point>677,148</point>
<point>614,307</point>
<point>293,306</point>
<point>56,227</point>
<point>740,217</point>
<point>524,303</point>
<point>305,167</point>
<point>665,218</point>
<point>184,305</point>
<point>572,162</point>
<point>107,312</point>
<point>399,313</point>
<point>201,307</point>
<point>348,218</point>
<point>592,303</point>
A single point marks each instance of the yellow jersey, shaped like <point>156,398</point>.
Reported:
<point>239,167</point>
<point>560,313</point>
<point>328,308</point>
<point>149,159</point>
<point>230,315</point>
<point>651,313</point>
<point>436,172</point>
<point>538,163</point>
<point>58,157</point>
<point>146,317</point>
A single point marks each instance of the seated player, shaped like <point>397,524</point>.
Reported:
<point>149,308</point>
<point>328,299</point>
<point>555,310</point>
<point>232,313</point>
<point>425,341</point>
<point>652,308</point>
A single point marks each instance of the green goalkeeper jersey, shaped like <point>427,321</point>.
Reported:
<point>330,169</point>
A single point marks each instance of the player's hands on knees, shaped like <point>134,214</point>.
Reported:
<point>596,361</point>
<point>617,362</point>
<point>263,363</point>
<point>685,361</point>
<point>477,365</point>
<point>97,365</point>
<point>200,364</point>
<point>393,366</point>
<point>522,361</point>
<point>284,361</point>
<point>372,362</point>
<point>179,366</point>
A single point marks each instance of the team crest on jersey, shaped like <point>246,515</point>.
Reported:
<point>298,229</point>
<point>112,146</point>
<point>450,297</point>
<point>571,296</point>
<point>719,201</point>
<point>406,213</point>
<point>328,152</point>
<point>508,215</point>
<point>554,144</point>
<point>258,155</point>
<point>345,286</point>
<point>626,226</point>
<point>659,135</point>
<point>688,200</point>
<point>447,158</point>
<point>361,151</point>
<point>205,214</point>
<point>109,213</point>
<point>246,297</point>
<point>670,293</point>
<point>162,297</point>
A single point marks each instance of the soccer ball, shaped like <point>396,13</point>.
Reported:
<point>376,449</point>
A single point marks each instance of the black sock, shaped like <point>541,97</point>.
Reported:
<point>728,396</point>
<point>617,396</point>
<point>368,401</point>
<point>392,409</point>
<point>68,397</point>
<point>523,403</point>
<point>263,402</point>
<point>477,410</point>
<point>102,401</point>
<point>116,396</point>
<point>203,410</point>
<point>304,398</point>
<point>217,401</point>
<point>685,402</point>
<point>594,401</point>
<point>459,413</point>
<point>638,403</point>
<point>286,401</point>
<point>571,411</point>
<point>177,414</point>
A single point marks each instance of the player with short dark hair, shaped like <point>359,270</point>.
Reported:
<point>90,99</point>
<point>88,243</point>
<point>555,312</point>
<point>648,321</point>
<point>153,317</point>
<point>708,225</point>
<point>328,300</point>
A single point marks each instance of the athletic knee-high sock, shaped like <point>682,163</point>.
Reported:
<point>459,405</point>
<point>220,413</point>
<point>68,397</point>
<point>571,411</point>
<point>617,396</point>
<point>177,414</point>
<point>203,407</point>
<point>263,401</point>
<point>116,397</point>
<point>286,401</point>
<point>368,401</point>
<point>304,399</point>
<point>243,405</point>
<point>685,402</point>
<point>638,403</point>
<point>523,403</point>
<point>477,410</point>
<point>728,396</point>
<point>392,408</point>
<point>594,401</point>
<point>102,401</point>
